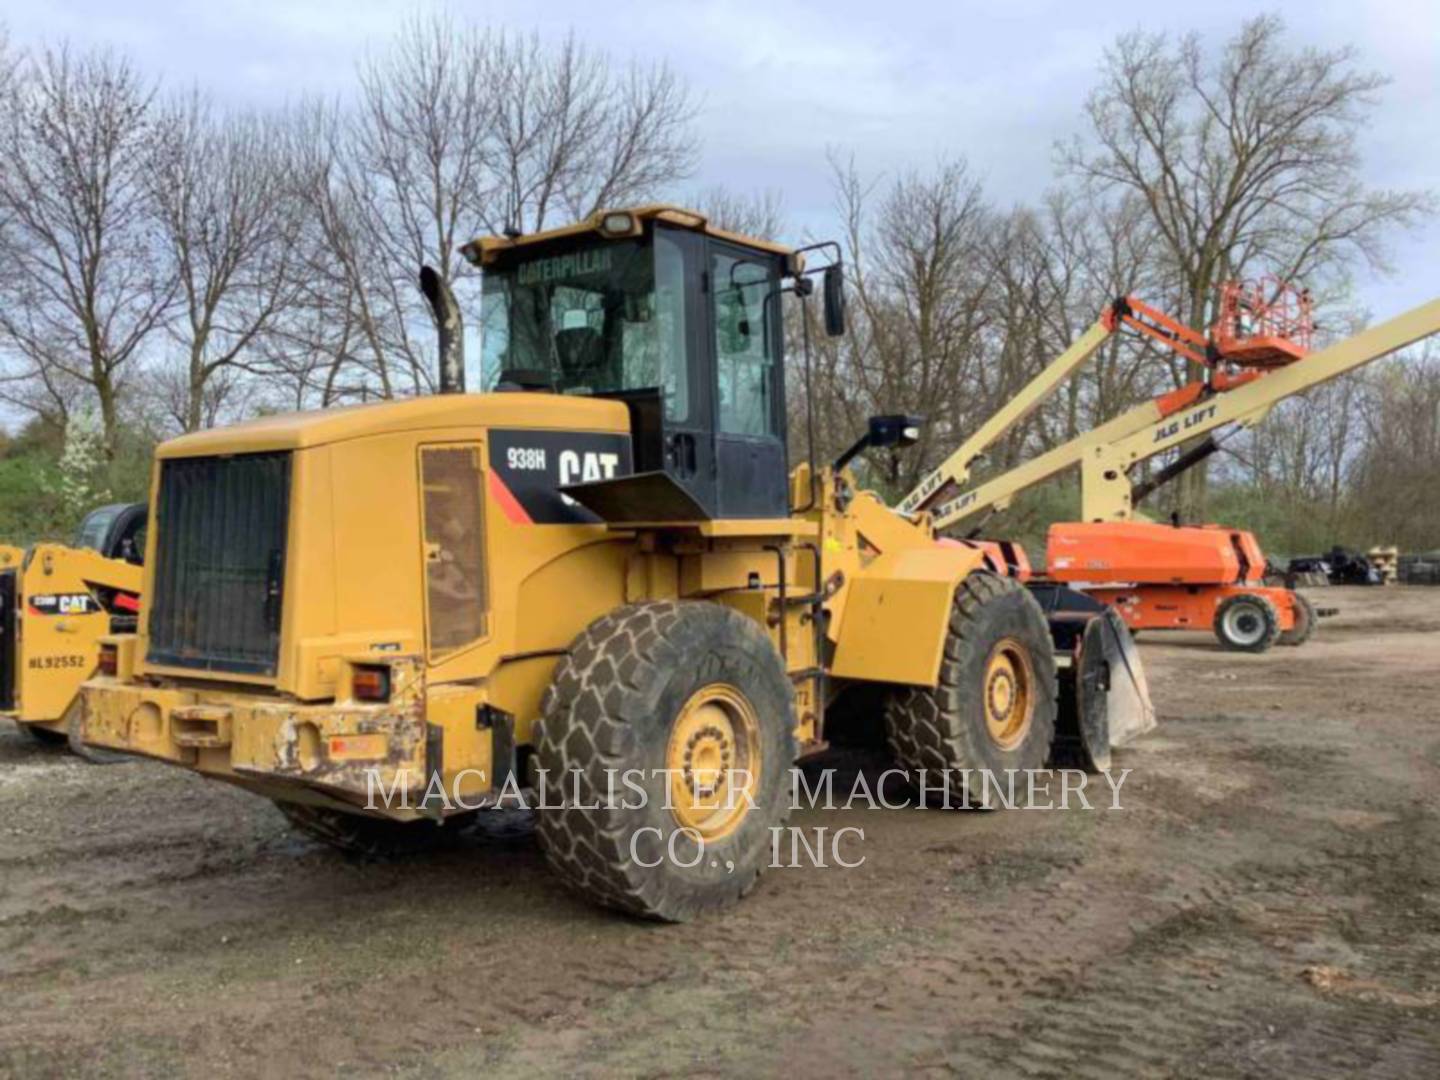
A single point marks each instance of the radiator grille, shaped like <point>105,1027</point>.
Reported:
<point>455,546</point>
<point>220,562</point>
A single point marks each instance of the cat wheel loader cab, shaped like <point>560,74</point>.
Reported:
<point>598,583</point>
<point>56,603</point>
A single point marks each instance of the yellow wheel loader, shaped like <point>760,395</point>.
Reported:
<point>598,587</point>
<point>56,603</point>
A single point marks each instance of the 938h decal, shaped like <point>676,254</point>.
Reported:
<point>528,468</point>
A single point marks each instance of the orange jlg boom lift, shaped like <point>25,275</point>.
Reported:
<point>1161,576</point>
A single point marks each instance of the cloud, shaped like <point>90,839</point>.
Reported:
<point>899,83</point>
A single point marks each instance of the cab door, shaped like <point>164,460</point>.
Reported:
<point>688,428</point>
<point>746,354</point>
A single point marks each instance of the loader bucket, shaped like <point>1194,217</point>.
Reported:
<point>1104,698</point>
<point>1110,661</point>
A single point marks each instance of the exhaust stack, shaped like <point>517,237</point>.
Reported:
<point>451,331</point>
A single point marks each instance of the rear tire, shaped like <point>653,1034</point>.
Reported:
<point>1247,623</point>
<point>1305,620</point>
<point>994,708</point>
<point>691,701</point>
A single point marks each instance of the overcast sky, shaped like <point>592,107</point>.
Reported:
<point>898,83</point>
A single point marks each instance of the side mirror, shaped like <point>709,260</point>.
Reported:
<point>835,300</point>
<point>895,429</point>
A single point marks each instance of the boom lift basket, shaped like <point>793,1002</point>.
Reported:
<point>1265,323</point>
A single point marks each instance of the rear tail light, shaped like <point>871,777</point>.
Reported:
<point>371,683</point>
<point>109,662</point>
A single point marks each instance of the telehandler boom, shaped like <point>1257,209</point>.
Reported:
<point>598,583</point>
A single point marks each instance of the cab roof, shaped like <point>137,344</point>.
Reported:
<point>487,249</point>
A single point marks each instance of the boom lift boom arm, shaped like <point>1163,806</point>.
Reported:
<point>1106,454</point>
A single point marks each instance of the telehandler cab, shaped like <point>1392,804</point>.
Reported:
<point>56,602</point>
<point>599,583</point>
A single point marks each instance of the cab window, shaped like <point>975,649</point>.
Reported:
<point>741,292</point>
<point>96,527</point>
<point>593,317</point>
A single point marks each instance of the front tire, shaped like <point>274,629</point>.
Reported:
<point>42,735</point>
<point>1247,623</point>
<point>994,707</point>
<point>1305,620</point>
<point>666,739</point>
<point>74,730</point>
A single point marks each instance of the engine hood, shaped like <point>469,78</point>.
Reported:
<point>299,430</point>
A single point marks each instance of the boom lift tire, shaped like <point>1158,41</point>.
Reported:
<point>994,708</point>
<point>367,837</point>
<point>692,702</point>
<point>1247,623</point>
<point>1305,620</point>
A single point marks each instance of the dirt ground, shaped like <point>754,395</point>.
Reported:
<point>1267,901</point>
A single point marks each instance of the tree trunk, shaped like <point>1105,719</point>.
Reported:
<point>109,416</point>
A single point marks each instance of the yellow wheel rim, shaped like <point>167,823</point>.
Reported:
<point>713,760</point>
<point>1009,693</point>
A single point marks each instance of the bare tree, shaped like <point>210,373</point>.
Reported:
<point>1244,162</point>
<point>218,184</point>
<point>1394,474</point>
<point>85,285</point>
<point>574,131</point>
<point>415,163</point>
<point>9,68</point>
<point>338,333</point>
<point>918,288</point>
<point>458,132</point>
<point>759,213</point>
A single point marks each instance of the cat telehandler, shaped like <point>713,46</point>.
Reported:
<point>56,602</point>
<point>599,584</point>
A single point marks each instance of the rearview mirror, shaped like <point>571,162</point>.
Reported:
<point>835,300</point>
<point>894,430</point>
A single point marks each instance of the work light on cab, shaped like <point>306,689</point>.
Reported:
<point>620,224</point>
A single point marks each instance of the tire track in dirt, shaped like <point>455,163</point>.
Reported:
<point>1281,822</point>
